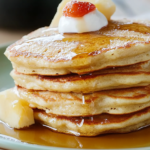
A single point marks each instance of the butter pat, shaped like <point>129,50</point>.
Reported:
<point>106,7</point>
<point>14,111</point>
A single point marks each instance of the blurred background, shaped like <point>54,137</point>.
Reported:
<point>19,17</point>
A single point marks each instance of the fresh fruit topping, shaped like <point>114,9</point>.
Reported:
<point>78,9</point>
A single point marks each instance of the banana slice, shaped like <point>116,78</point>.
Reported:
<point>14,111</point>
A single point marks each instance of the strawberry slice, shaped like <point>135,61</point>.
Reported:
<point>76,8</point>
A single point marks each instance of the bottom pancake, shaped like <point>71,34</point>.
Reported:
<point>95,125</point>
<point>121,101</point>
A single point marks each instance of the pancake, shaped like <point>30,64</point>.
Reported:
<point>46,52</point>
<point>95,125</point>
<point>123,77</point>
<point>122,101</point>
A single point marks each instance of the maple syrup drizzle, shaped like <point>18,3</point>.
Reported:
<point>41,135</point>
<point>115,35</point>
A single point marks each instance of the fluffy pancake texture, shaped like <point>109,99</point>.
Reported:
<point>122,101</point>
<point>95,125</point>
<point>46,52</point>
<point>123,77</point>
<point>86,84</point>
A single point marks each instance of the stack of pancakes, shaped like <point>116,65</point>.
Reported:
<point>86,84</point>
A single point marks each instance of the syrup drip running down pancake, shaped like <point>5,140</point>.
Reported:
<point>46,52</point>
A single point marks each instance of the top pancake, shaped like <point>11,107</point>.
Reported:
<point>47,52</point>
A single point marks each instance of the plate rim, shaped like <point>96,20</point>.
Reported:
<point>21,145</point>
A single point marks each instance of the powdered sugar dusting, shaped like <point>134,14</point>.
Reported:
<point>127,34</point>
<point>49,29</point>
<point>114,44</point>
<point>40,41</point>
<point>41,47</point>
<point>46,40</point>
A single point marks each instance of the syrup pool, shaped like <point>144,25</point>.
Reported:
<point>40,135</point>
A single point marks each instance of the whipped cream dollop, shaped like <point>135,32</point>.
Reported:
<point>92,21</point>
<point>79,17</point>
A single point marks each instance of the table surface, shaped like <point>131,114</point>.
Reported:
<point>7,36</point>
